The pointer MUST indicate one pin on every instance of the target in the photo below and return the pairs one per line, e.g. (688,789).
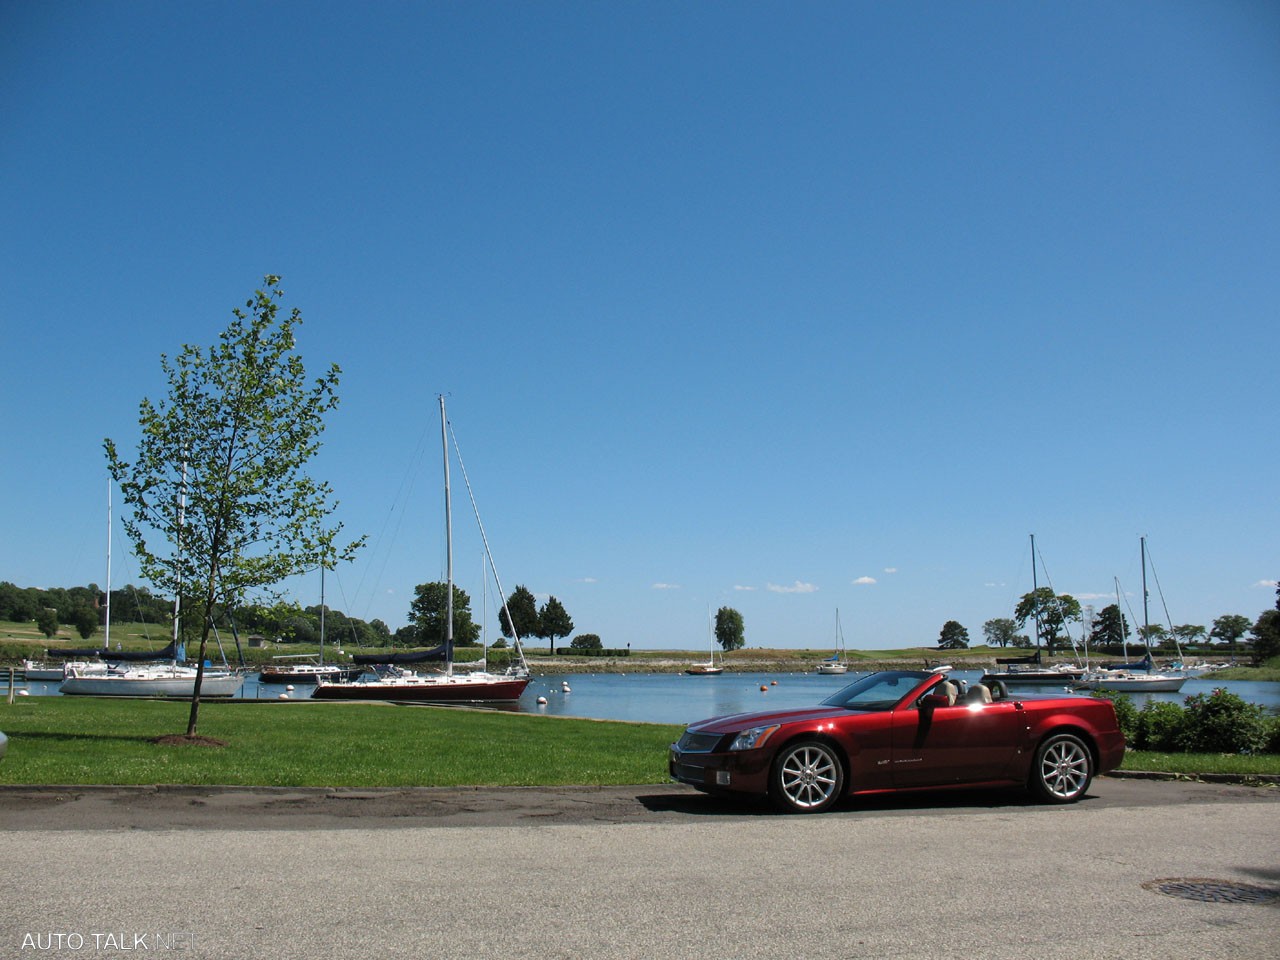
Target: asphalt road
(649,872)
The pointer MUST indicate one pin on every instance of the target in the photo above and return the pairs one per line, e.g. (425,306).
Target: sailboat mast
(1146,623)
(106,640)
(448,541)
(1035,587)
(322,614)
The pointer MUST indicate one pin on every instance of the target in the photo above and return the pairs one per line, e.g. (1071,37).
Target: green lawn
(57,740)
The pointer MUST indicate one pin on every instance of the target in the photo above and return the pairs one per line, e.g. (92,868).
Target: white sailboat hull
(1132,683)
(168,681)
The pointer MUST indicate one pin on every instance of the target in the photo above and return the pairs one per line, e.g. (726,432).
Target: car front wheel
(807,777)
(1063,769)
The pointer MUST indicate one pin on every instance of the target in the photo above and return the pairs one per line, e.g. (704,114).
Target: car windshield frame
(878,692)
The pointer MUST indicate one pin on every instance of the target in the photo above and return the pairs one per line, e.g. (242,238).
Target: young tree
(953,636)
(554,621)
(428,611)
(730,631)
(1000,632)
(222,505)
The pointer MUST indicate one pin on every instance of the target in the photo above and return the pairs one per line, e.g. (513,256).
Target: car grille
(698,742)
(688,773)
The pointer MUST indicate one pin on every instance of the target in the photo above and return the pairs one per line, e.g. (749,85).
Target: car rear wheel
(807,777)
(1063,769)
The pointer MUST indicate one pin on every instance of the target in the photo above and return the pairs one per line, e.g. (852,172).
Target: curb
(1248,779)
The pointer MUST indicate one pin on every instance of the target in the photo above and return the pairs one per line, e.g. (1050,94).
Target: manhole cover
(1212,891)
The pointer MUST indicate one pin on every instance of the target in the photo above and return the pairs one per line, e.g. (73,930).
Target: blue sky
(786,307)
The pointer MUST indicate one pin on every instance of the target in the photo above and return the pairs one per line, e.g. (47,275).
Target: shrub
(1160,726)
(1273,736)
(1126,714)
(1223,723)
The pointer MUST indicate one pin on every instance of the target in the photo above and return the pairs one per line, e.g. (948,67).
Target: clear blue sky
(783,306)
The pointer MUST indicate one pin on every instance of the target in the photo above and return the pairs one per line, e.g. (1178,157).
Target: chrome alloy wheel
(807,778)
(1063,770)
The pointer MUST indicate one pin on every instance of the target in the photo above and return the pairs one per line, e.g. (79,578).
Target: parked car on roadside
(904,730)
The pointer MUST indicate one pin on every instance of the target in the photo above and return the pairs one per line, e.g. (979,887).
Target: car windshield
(879,691)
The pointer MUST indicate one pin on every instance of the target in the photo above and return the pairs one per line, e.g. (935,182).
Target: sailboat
(128,675)
(1134,677)
(389,680)
(835,664)
(710,668)
(1031,671)
(307,668)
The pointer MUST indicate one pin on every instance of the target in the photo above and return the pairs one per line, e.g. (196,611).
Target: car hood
(744,721)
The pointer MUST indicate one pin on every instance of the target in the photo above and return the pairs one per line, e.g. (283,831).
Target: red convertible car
(904,730)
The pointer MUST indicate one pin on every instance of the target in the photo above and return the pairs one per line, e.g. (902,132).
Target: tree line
(1109,630)
(82,608)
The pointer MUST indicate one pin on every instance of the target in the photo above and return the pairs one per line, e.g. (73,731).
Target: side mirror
(931,700)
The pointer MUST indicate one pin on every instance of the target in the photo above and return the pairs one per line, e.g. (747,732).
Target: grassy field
(55,740)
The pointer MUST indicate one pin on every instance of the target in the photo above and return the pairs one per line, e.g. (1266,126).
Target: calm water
(681,699)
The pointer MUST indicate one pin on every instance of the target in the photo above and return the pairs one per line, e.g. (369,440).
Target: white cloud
(587,580)
(796,587)
(666,586)
(744,589)
(890,569)
(1265,583)
(993,584)
(863,581)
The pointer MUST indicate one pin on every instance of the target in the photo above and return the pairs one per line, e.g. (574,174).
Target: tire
(807,777)
(1063,769)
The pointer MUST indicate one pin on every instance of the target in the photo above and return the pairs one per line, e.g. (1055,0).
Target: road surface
(640,872)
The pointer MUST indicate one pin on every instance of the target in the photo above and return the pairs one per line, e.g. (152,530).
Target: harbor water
(680,699)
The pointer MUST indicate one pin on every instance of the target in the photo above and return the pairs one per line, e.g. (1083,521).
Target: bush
(1223,723)
(1126,714)
(1273,737)
(1160,726)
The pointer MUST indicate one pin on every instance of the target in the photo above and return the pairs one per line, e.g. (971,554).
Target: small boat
(309,672)
(835,664)
(309,668)
(710,668)
(389,680)
(42,670)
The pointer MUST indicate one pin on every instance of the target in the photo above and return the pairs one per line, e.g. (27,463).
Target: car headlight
(753,738)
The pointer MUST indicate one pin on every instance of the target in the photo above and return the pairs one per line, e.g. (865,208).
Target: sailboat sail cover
(117,656)
(444,653)
(1012,660)
(1143,664)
